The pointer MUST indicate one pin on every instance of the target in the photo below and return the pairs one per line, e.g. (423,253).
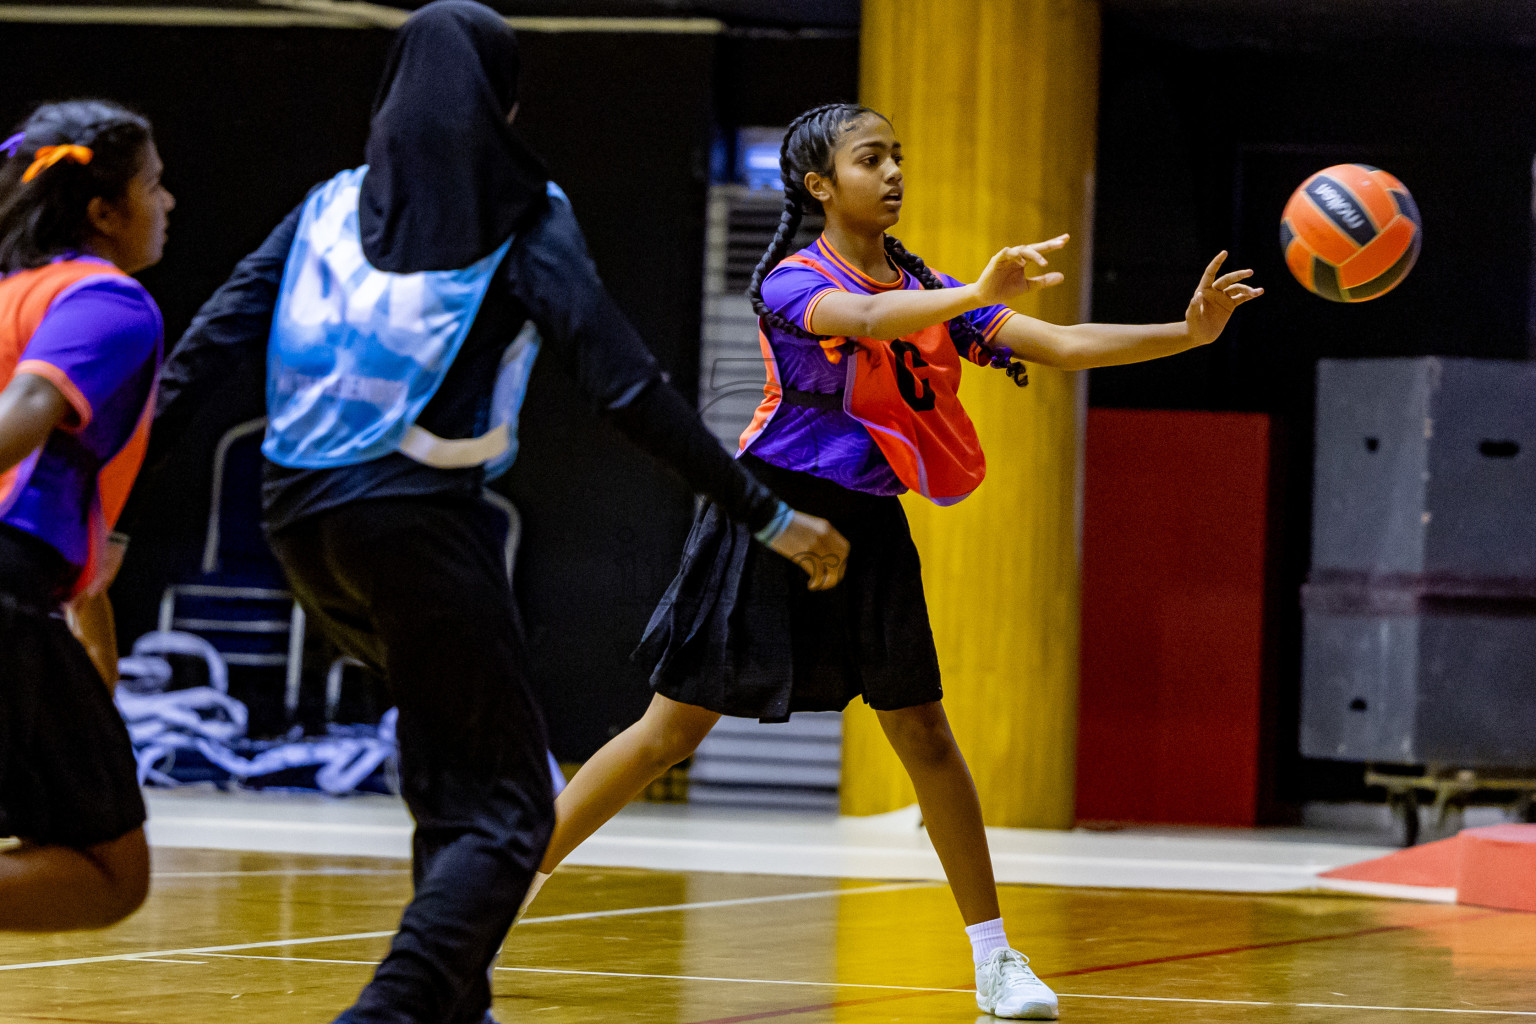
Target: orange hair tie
(47,156)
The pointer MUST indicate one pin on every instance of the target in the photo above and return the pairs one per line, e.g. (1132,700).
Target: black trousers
(416,589)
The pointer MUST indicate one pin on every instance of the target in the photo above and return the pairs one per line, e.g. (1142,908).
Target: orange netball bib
(905,393)
(25,298)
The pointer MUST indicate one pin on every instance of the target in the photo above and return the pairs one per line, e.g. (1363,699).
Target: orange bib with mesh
(905,393)
(25,298)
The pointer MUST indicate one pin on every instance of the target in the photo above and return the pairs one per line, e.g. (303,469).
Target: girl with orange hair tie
(81,208)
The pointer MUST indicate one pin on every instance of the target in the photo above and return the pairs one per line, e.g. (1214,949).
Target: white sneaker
(1006,987)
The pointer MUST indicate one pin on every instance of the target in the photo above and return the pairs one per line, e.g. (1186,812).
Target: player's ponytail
(64,155)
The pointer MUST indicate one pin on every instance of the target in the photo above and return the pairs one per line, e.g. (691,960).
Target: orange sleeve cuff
(997,324)
(59,379)
(810,307)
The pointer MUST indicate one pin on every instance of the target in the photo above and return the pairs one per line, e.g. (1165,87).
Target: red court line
(769,1014)
(1229,949)
(1265,945)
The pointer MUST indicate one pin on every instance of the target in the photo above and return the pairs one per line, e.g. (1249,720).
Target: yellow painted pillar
(995,102)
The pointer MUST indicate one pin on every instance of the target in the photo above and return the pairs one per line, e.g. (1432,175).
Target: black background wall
(248,119)
(630,138)
(1203,136)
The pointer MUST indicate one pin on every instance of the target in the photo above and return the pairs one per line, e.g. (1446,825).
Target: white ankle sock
(987,938)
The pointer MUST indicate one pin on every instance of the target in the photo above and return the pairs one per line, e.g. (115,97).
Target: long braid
(962,332)
(810,144)
(789,223)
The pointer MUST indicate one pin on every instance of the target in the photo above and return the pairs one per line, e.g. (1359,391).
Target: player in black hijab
(400,562)
(442,192)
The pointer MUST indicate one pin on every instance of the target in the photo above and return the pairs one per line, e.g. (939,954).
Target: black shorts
(738,632)
(67,773)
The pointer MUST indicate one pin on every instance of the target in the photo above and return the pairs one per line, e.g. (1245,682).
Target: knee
(933,748)
(669,743)
(923,741)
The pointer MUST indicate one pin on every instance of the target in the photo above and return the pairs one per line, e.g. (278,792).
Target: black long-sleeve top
(547,277)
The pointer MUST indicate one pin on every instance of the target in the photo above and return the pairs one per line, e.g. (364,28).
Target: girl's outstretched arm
(1083,346)
(895,314)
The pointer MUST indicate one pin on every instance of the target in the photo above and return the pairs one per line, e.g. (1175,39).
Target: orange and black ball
(1350,233)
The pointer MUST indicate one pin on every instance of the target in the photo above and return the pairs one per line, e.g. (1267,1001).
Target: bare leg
(951,811)
(620,771)
(60,888)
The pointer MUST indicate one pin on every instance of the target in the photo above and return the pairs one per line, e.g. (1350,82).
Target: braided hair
(48,216)
(810,144)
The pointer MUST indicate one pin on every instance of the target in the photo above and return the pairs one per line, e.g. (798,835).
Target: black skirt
(738,633)
(67,773)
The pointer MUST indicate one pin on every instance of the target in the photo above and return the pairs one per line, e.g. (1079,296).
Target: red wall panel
(1174,534)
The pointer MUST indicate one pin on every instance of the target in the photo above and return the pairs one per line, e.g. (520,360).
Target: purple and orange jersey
(828,443)
(96,335)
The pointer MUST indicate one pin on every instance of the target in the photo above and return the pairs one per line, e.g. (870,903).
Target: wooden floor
(231,938)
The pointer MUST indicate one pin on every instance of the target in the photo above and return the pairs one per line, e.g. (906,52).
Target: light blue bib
(356,353)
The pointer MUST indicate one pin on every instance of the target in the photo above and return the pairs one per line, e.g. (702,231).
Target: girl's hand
(815,546)
(1214,301)
(1006,279)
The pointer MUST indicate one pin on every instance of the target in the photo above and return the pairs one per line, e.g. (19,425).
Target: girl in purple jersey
(734,633)
(81,208)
